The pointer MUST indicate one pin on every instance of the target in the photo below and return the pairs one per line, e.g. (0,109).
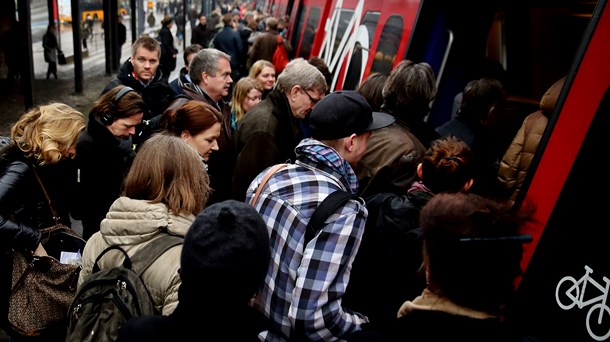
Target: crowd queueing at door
(191,157)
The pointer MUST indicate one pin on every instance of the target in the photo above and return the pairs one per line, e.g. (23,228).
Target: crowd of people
(191,157)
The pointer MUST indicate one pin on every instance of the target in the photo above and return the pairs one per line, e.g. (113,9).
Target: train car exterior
(563,292)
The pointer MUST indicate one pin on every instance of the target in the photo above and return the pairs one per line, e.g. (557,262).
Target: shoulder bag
(61,58)
(42,288)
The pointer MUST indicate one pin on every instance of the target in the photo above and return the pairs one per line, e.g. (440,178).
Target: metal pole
(112,24)
(25,30)
(76,42)
(134,12)
(106,29)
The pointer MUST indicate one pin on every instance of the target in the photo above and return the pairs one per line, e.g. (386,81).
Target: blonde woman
(41,139)
(163,191)
(246,94)
(264,72)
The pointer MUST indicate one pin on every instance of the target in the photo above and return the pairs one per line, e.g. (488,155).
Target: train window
(390,38)
(356,65)
(310,32)
(345,17)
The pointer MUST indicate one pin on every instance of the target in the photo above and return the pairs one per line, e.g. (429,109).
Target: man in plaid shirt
(302,291)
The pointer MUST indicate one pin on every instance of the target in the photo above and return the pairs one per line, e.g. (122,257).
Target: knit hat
(342,113)
(226,250)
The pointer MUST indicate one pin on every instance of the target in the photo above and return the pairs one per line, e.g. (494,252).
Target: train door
(563,293)
(309,21)
(364,37)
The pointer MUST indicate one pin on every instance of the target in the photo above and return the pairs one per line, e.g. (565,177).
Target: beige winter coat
(519,155)
(132,224)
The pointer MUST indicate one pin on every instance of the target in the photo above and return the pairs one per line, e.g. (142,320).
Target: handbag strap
(44,190)
(270,173)
(21,280)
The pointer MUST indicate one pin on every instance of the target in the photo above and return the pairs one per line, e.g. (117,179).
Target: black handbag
(61,58)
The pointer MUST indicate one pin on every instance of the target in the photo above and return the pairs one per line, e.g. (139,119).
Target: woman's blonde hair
(242,88)
(166,170)
(258,67)
(46,131)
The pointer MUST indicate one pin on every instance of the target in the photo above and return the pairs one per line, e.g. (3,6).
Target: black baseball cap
(342,113)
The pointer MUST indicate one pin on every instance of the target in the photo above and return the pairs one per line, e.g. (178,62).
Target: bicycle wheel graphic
(567,293)
(599,326)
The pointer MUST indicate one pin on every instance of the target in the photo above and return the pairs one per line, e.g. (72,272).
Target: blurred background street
(63,89)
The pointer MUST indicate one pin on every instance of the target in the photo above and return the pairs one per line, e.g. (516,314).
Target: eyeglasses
(313,101)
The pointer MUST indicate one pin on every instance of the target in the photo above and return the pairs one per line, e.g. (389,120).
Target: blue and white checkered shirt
(304,285)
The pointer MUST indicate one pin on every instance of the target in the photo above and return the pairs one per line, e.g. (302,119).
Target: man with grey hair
(210,73)
(270,131)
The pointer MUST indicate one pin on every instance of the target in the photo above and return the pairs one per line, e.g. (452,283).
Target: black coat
(390,253)
(168,51)
(103,162)
(24,208)
(201,35)
(266,136)
(157,95)
(229,42)
(222,162)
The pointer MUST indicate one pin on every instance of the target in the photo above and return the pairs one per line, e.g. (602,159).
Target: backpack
(280,56)
(328,206)
(109,297)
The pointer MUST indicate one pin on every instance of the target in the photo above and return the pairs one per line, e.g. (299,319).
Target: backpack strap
(126,260)
(143,258)
(328,206)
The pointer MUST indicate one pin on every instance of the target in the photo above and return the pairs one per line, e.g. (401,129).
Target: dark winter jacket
(390,253)
(201,35)
(103,162)
(264,47)
(168,51)
(157,95)
(228,41)
(266,136)
(24,208)
(221,162)
(182,79)
(390,161)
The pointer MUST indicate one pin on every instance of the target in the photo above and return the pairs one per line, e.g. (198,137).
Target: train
(535,42)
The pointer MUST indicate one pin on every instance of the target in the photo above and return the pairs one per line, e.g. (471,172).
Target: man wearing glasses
(272,129)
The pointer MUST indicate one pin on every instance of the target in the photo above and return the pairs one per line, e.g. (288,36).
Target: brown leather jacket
(390,162)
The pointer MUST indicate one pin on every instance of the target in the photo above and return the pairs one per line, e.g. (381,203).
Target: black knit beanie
(226,251)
